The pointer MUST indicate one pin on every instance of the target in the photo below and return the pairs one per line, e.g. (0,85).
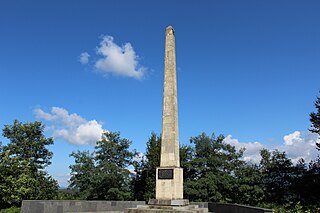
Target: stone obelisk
(169,176)
(170,134)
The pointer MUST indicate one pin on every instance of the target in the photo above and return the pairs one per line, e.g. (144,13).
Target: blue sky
(247,69)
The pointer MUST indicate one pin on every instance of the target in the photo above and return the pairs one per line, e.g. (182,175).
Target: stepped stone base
(166,208)
(162,202)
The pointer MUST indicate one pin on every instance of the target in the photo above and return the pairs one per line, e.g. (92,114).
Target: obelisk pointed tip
(169,27)
(169,30)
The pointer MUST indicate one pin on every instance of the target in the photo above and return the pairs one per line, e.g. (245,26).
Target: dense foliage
(211,161)
(144,183)
(22,162)
(104,174)
(214,171)
(315,119)
(11,210)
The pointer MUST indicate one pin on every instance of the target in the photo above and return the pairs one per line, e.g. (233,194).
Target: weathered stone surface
(236,208)
(170,133)
(169,176)
(70,206)
(170,188)
(168,209)
(64,206)
(169,203)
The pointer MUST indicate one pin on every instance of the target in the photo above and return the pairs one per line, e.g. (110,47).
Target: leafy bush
(11,210)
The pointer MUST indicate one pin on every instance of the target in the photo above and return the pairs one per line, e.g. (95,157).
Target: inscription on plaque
(165,174)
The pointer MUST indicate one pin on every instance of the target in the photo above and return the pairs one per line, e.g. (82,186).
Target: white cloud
(117,60)
(296,145)
(41,114)
(84,58)
(72,127)
(70,120)
(291,138)
(300,145)
(252,152)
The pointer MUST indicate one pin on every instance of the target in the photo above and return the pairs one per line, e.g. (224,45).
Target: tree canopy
(214,171)
(109,176)
(22,162)
(144,182)
(315,119)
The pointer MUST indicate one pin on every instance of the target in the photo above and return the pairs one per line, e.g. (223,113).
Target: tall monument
(169,176)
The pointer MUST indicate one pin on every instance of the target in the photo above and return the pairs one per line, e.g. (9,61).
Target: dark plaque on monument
(165,173)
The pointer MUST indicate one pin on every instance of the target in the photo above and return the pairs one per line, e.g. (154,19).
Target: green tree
(298,182)
(311,178)
(306,184)
(27,141)
(113,158)
(277,170)
(315,120)
(145,181)
(312,184)
(186,156)
(104,174)
(22,162)
(138,184)
(248,188)
(211,169)
(84,175)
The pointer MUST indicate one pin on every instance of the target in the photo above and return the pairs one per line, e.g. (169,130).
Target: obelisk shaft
(170,133)
(169,176)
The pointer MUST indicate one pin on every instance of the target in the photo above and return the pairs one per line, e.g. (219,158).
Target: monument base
(161,202)
(166,209)
(167,206)
(169,183)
